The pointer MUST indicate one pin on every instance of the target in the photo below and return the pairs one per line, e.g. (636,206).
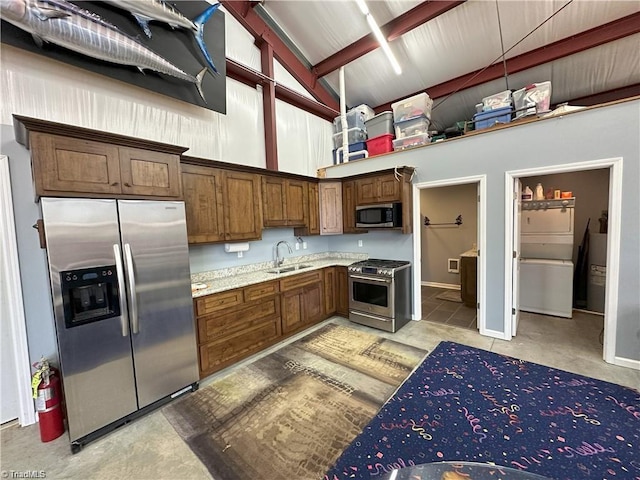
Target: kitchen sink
(291,268)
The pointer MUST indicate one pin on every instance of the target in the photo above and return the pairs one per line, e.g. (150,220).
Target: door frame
(17,321)
(481,182)
(613,242)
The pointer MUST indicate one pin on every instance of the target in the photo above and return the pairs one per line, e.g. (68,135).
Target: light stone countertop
(237,277)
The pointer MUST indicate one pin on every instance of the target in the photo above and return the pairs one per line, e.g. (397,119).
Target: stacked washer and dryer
(546,251)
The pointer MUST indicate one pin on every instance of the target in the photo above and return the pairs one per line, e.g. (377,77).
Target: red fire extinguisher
(47,392)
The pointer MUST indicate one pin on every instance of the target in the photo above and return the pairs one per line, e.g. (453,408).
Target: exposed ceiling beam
(608,32)
(608,96)
(251,77)
(395,28)
(250,20)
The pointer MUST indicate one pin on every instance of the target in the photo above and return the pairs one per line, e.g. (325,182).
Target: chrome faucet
(279,260)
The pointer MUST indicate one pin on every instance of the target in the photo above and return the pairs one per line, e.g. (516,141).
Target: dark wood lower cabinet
(342,292)
(235,324)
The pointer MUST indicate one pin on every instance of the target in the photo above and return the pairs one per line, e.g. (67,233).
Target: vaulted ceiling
(456,51)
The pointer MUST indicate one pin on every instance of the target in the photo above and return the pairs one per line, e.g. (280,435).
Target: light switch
(359,243)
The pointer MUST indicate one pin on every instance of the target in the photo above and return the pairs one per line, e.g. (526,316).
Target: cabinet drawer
(296,281)
(216,355)
(218,301)
(215,327)
(261,290)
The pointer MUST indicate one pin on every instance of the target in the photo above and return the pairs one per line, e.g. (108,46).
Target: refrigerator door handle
(131,278)
(121,290)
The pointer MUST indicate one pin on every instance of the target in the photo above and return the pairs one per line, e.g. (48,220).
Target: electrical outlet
(239,254)
(297,246)
(304,245)
(359,243)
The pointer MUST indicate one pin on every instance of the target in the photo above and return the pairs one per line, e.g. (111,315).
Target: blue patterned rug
(467,404)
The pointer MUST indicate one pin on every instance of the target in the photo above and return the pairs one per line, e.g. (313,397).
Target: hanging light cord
(502,55)
(504,59)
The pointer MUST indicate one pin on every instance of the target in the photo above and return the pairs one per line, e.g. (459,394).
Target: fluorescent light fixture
(379,36)
(363,7)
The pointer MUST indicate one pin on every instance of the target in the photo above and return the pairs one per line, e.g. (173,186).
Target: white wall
(599,133)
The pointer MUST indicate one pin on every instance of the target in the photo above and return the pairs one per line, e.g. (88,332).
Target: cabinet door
(367,191)
(313,223)
(330,279)
(313,301)
(62,164)
(242,210)
(349,207)
(274,204)
(292,310)
(331,208)
(389,188)
(296,203)
(202,191)
(145,172)
(342,291)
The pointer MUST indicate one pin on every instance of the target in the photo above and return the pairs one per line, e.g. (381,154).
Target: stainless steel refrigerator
(121,291)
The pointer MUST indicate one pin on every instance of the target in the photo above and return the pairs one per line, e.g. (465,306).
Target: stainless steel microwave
(387,215)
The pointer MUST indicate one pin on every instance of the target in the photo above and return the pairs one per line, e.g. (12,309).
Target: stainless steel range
(380,293)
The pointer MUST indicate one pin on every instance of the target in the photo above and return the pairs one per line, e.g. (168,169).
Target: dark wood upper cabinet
(242,207)
(285,202)
(70,161)
(312,222)
(379,189)
(221,205)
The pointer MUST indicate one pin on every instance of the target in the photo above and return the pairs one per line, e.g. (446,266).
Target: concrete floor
(149,448)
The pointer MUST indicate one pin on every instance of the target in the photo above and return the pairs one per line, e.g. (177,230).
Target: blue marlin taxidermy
(145,11)
(69,26)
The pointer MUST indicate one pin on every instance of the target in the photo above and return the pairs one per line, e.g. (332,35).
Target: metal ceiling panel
(318,29)
(520,18)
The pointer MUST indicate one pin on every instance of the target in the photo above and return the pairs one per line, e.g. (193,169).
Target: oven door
(371,294)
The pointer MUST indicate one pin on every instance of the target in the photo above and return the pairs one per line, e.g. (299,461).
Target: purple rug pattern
(467,404)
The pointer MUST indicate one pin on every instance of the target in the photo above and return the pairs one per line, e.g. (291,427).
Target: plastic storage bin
(411,107)
(410,142)
(356,117)
(411,127)
(354,147)
(537,96)
(380,144)
(354,135)
(491,117)
(380,124)
(497,100)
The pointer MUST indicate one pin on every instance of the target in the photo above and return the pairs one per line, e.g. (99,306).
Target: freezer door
(546,286)
(95,357)
(154,240)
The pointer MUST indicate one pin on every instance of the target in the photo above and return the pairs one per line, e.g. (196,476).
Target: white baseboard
(627,362)
(450,286)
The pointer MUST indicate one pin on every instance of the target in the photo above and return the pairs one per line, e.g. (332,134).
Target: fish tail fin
(199,22)
(199,78)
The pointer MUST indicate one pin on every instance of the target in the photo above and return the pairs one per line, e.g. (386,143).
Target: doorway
(438,218)
(608,170)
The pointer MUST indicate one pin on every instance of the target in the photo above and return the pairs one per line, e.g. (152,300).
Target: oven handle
(121,290)
(382,280)
(375,317)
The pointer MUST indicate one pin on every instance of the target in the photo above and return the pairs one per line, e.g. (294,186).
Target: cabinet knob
(126,184)
(115,184)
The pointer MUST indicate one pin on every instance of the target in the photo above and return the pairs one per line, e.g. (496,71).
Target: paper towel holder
(236,247)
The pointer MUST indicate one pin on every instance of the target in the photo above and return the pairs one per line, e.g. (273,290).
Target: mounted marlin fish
(69,26)
(146,11)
